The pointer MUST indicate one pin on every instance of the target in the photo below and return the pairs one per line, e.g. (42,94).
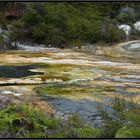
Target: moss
(111,68)
(60,67)
(57,71)
(65,69)
(107,88)
(89,91)
(46,77)
(35,54)
(121,57)
(63,90)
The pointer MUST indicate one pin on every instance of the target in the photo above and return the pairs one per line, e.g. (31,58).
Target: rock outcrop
(5,42)
(137,25)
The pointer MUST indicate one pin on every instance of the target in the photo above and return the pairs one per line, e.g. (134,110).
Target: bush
(126,18)
(134,35)
(2,20)
(16,31)
(87,132)
(24,121)
(124,123)
(60,24)
(116,35)
(124,132)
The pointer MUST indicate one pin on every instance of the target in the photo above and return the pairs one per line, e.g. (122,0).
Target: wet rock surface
(17,71)
(70,81)
(86,108)
(5,43)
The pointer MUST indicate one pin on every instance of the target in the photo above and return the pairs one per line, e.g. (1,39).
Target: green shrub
(16,31)
(24,121)
(61,23)
(87,132)
(124,123)
(75,120)
(128,132)
(124,132)
(116,35)
(126,18)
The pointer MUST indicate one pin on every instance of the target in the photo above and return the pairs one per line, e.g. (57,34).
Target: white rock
(17,94)
(126,28)
(6,92)
(137,25)
(134,46)
(10,92)
(110,63)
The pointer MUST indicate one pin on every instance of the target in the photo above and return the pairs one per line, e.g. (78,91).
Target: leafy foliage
(125,121)
(60,24)
(25,121)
